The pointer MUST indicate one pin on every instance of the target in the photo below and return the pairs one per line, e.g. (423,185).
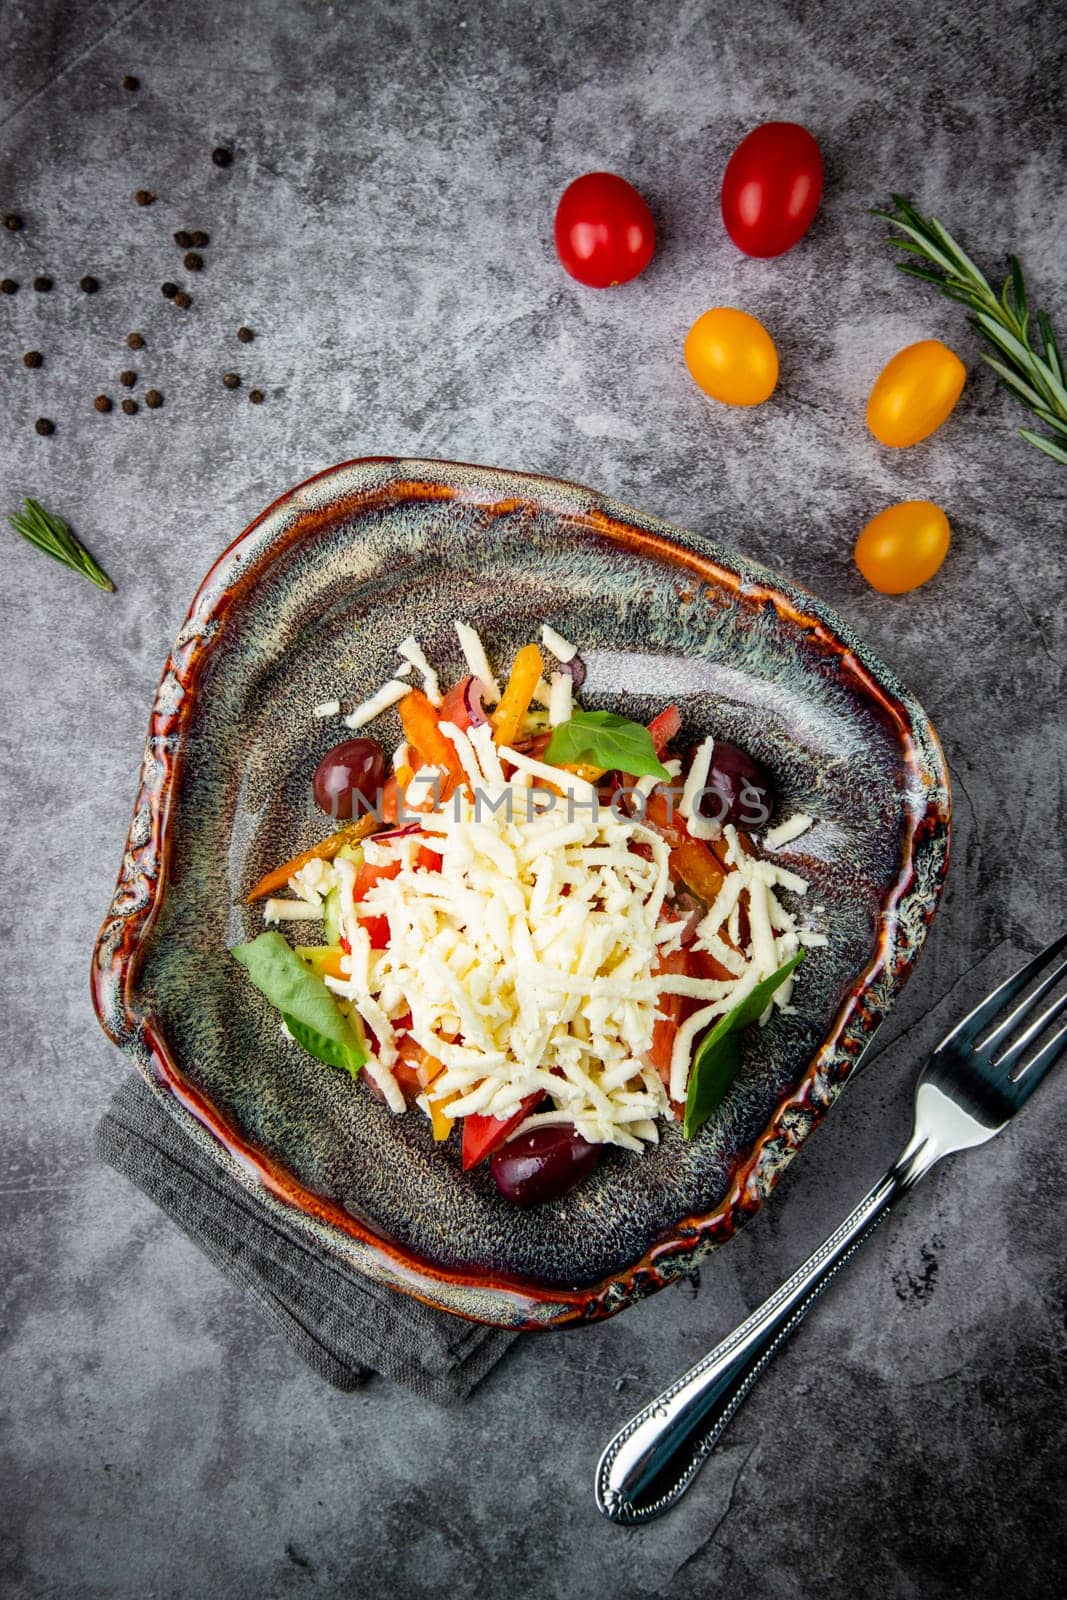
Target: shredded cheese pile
(527,963)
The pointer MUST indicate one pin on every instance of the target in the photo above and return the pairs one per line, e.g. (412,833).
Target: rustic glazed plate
(309,604)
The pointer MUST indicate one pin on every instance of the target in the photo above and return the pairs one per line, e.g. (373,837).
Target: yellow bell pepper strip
(419,721)
(325,850)
(440,1120)
(323,959)
(526,674)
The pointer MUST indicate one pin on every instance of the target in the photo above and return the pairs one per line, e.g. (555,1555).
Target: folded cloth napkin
(342,1324)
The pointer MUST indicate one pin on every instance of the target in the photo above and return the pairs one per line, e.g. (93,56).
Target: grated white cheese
(291,911)
(475,657)
(697,780)
(560,698)
(559,646)
(327,708)
(387,696)
(404,670)
(787,831)
(412,651)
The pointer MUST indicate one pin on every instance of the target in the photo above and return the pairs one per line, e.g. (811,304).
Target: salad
(542,925)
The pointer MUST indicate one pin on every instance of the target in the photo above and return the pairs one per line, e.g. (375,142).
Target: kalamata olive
(356,767)
(738,789)
(543,1163)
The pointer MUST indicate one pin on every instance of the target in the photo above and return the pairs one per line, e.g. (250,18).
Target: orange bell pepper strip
(693,864)
(419,721)
(526,672)
(325,850)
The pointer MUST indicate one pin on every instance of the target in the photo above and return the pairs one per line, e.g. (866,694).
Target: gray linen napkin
(344,1326)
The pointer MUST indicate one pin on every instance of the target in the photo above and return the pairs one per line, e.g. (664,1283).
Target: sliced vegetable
(483,1135)
(462,705)
(323,959)
(526,673)
(325,850)
(717,1057)
(664,727)
(692,863)
(602,739)
(420,723)
(670,1007)
(308,1009)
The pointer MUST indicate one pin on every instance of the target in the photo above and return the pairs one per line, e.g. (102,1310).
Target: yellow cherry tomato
(915,392)
(732,357)
(903,546)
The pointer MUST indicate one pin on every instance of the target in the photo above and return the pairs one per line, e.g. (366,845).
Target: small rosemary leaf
(1012,379)
(1052,349)
(929,277)
(1020,353)
(1057,452)
(1018,289)
(927,248)
(1057,424)
(960,256)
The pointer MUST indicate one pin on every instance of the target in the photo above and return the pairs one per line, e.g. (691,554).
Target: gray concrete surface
(385,229)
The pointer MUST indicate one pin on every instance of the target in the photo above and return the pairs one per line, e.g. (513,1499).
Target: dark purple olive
(738,789)
(356,767)
(543,1163)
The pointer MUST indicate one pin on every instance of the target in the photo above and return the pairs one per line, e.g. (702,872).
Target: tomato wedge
(483,1135)
(665,1027)
(664,727)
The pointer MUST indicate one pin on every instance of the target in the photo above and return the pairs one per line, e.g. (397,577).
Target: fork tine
(1012,1054)
(1022,1011)
(990,1009)
(1035,1070)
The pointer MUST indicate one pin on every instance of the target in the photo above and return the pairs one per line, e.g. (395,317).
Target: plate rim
(906,911)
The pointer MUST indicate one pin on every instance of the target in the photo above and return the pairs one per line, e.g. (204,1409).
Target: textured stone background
(385,228)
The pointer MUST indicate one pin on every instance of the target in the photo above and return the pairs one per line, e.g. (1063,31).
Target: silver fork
(972,1085)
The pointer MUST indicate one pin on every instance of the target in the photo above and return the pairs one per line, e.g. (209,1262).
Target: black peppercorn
(153,399)
(221,156)
(256,396)
(88,284)
(245,335)
(182,300)
(33,358)
(43,283)
(200,239)
(45,426)
(135,341)
(182,239)
(131,83)
(231,380)
(130,407)
(8,286)
(144,197)
(192,262)
(13,221)
(127,379)
(102,403)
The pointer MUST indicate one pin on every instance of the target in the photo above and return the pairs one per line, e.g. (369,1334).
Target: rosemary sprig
(1034,376)
(50,533)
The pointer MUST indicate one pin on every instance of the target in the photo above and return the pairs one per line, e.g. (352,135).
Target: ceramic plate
(309,603)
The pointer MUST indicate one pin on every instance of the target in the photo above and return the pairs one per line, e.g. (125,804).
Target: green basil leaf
(718,1056)
(301,997)
(324,1049)
(601,739)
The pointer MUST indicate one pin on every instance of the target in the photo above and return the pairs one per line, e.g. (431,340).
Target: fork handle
(651,1462)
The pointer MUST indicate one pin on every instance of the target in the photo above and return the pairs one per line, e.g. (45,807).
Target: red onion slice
(575,669)
(472,702)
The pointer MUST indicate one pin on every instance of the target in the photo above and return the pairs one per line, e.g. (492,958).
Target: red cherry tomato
(771,188)
(604,230)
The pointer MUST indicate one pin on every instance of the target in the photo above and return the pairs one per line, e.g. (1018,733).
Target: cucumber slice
(331,905)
